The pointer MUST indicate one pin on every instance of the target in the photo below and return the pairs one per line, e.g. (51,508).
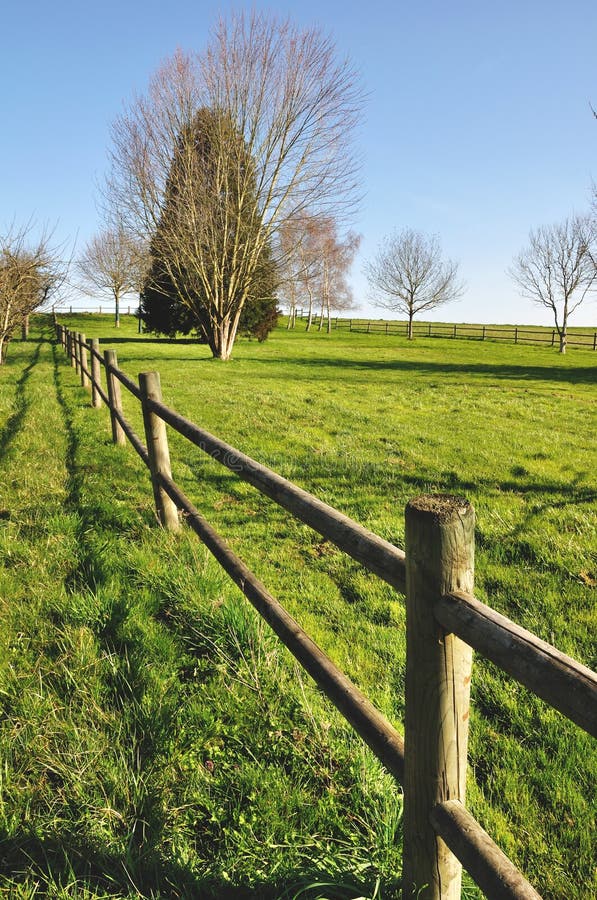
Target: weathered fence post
(157,447)
(83,361)
(114,395)
(96,374)
(595,341)
(439,558)
(454,335)
(77,348)
(516,334)
(73,349)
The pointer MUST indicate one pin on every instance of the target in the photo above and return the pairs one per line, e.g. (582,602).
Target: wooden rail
(444,623)
(511,334)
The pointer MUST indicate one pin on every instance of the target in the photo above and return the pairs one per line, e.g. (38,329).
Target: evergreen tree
(219,210)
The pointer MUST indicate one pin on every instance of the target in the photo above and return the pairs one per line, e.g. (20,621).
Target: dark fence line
(435,574)
(511,334)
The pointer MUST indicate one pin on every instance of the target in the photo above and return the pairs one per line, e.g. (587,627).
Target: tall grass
(156,740)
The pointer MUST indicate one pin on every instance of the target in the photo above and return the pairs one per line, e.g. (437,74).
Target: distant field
(365,422)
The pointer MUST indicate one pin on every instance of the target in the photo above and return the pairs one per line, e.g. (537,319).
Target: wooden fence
(444,624)
(511,334)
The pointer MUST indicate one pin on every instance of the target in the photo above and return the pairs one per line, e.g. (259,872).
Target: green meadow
(155,739)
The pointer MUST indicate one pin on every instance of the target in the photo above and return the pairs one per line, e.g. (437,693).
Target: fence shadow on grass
(15,421)
(66,860)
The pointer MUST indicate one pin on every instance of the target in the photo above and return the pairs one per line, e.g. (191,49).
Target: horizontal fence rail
(511,334)
(432,573)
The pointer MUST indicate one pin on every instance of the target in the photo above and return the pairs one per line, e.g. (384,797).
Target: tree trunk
(116,311)
(410,326)
(3,343)
(563,340)
(310,314)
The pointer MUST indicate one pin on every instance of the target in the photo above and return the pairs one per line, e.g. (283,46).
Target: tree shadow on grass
(576,375)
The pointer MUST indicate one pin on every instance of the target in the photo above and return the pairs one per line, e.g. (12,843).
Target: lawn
(153,732)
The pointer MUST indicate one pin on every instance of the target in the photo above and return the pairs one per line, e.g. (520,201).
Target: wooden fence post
(25,329)
(83,361)
(77,349)
(115,397)
(439,558)
(516,335)
(96,374)
(72,349)
(156,439)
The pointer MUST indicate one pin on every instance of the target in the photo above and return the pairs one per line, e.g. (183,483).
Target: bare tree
(30,274)
(278,141)
(558,268)
(409,276)
(112,262)
(336,258)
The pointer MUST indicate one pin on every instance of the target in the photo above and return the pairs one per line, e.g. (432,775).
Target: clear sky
(477,126)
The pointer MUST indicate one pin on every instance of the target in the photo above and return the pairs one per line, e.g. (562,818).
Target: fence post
(73,349)
(439,558)
(516,335)
(454,335)
(157,447)
(25,329)
(77,348)
(96,374)
(553,336)
(83,361)
(115,397)
(595,341)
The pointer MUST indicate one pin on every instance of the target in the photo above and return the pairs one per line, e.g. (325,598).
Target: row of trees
(232,182)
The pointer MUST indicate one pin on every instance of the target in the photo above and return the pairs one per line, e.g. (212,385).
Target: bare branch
(243,137)
(408,275)
(558,270)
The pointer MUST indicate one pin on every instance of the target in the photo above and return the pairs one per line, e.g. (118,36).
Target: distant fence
(511,334)
(444,623)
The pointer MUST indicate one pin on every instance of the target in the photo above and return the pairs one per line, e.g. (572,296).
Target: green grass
(155,735)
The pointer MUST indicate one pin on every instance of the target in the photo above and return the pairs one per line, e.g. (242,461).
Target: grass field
(155,739)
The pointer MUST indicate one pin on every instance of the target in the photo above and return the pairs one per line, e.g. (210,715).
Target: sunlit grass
(178,738)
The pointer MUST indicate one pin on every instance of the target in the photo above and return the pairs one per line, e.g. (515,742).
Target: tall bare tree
(280,142)
(408,275)
(31,272)
(113,262)
(558,268)
(336,258)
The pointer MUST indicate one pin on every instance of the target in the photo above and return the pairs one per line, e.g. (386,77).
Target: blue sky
(477,126)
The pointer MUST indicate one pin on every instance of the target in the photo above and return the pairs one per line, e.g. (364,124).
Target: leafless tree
(408,275)
(112,262)
(31,272)
(279,141)
(336,258)
(558,268)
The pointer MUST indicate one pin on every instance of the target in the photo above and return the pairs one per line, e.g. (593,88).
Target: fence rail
(511,334)
(444,623)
